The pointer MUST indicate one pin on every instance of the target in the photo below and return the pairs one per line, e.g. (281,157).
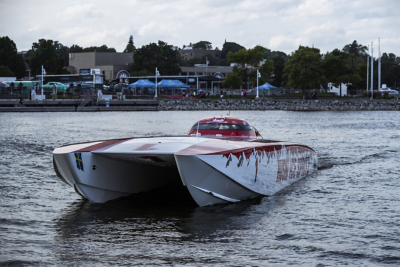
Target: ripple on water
(344,214)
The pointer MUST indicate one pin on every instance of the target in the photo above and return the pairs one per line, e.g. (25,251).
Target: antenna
(197,132)
(229,114)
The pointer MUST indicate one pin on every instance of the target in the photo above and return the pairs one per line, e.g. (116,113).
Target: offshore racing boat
(221,160)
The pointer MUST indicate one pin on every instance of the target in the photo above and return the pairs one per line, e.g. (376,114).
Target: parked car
(61,88)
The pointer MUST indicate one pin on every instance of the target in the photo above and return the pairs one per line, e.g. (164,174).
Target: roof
(209,78)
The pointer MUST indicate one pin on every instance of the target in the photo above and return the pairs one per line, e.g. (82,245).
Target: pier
(70,105)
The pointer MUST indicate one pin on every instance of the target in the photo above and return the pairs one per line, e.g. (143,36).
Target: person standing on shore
(54,91)
(12,86)
(306,96)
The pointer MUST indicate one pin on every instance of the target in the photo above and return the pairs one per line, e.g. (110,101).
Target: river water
(348,212)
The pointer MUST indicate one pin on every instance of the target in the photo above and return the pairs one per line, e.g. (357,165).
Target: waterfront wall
(294,105)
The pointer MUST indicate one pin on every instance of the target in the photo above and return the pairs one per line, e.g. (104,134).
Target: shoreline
(357,104)
(290,105)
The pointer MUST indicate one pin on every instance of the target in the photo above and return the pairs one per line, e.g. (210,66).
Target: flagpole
(379,64)
(372,70)
(368,69)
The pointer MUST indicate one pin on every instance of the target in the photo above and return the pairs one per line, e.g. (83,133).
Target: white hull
(213,170)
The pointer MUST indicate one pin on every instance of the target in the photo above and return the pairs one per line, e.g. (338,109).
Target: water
(346,213)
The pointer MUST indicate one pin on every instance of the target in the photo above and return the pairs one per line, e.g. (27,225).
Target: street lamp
(43,72)
(157,74)
(206,65)
(258,76)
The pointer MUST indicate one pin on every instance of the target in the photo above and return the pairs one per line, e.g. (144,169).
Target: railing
(89,95)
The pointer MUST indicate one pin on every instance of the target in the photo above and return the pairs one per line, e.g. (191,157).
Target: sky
(280,25)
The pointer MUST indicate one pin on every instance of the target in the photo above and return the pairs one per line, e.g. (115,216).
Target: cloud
(82,12)
(277,24)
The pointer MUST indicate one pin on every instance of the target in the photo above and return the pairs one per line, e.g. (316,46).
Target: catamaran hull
(213,170)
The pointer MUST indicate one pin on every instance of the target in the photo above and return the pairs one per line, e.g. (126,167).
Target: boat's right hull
(242,174)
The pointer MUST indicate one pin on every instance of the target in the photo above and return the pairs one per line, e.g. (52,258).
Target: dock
(70,105)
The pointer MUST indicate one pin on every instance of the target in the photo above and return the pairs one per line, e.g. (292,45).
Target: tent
(172,84)
(142,83)
(267,86)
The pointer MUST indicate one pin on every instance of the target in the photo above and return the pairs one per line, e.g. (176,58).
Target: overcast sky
(280,25)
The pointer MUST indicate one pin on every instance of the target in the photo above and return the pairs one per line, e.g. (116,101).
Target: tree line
(304,68)
(53,55)
(307,68)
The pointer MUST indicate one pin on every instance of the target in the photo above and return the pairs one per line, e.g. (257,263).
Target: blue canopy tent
(267,86)
(143,83)
(171,84)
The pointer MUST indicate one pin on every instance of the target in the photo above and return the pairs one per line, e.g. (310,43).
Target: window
(190,54)
(222,127)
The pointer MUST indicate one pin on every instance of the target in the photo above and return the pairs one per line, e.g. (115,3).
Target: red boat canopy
(224,126)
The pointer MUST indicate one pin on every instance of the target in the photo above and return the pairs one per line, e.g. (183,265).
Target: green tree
(273,54)
(390,73)
(6,72)
(45,54)
(9,57)
(278,71)
(63,52)
(389,58)
(153,55)
(102,48)
(233,80)
(75,49)
(203,45)
(229,47)
(337,68)
(304,68)
(142,72)
(130,47)
(248,60)
(356,49)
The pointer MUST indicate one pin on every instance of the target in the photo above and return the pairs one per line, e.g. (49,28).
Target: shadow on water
(172,205)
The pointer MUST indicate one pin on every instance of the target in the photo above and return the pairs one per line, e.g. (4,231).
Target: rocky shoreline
(293,105)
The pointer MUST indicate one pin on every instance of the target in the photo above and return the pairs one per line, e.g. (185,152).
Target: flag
(43,71)
(79,161)
(207,62)
(258,74)
(158,73)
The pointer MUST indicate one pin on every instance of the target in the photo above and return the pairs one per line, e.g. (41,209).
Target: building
(111,64)
(202,69)
(188,53)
